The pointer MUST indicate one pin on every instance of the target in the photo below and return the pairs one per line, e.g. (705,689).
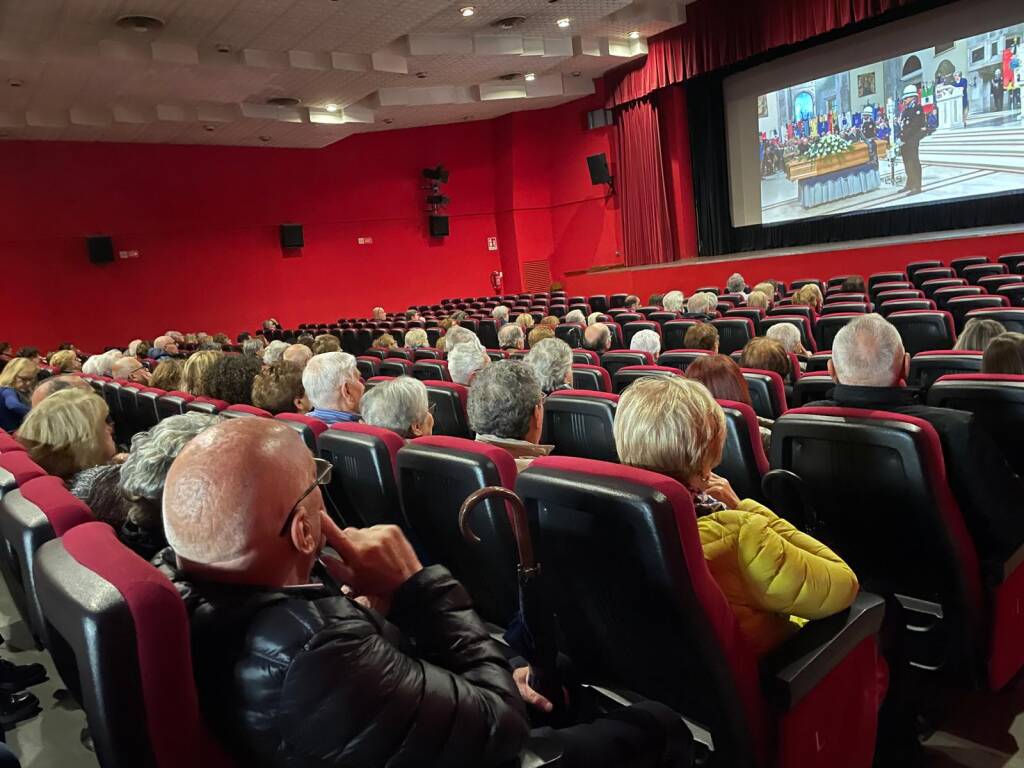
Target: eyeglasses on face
(323,477)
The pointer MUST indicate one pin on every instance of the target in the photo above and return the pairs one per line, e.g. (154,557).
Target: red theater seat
(733,334)
(448,400)
(681,358)
(309,429)
(744,462)
(812,387)
(626,375)
(924,331)
(1011,318)
(767,392)
(431,370)
(245,411)
(618,542)
(363,486)
(592,378)
(580,423)
(206,405)
(927,367)
(124,631)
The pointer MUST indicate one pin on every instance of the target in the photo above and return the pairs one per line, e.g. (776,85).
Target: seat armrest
(540,752)
(998,571)
(794,669)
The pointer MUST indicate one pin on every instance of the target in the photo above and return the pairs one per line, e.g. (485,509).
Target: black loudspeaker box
(101,249)
(439,226)
(291,236)
(599,173)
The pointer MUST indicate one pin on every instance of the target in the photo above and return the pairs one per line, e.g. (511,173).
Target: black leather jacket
(302,676)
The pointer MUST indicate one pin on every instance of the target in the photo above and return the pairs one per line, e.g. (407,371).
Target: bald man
(598,338)
(293,673)
(164,346)
(130,369)
(56,384)
(298,354)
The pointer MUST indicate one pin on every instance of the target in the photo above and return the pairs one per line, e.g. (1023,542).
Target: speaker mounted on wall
(599,171)
(291,236)
(439,226)
(100,249)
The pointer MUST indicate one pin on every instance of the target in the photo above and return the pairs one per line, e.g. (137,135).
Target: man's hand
(374,561)
(530,696)
(719,488)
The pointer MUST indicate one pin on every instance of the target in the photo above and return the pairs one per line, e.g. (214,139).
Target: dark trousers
(912,164)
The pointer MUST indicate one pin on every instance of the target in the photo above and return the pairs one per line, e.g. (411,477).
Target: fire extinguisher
(497,280)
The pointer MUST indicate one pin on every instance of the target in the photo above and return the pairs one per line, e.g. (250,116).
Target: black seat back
(733,333)
(363,486)
(448,400)
(673,333)
(581,424)
(924,331)
(744,462)
(927,367)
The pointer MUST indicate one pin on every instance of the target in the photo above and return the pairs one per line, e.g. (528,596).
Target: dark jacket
(989,493)
(301,676)
(13,408)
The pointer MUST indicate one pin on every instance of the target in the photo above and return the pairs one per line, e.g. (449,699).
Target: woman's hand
(719,488)
(530,696)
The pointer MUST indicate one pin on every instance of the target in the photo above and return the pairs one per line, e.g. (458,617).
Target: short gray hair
(298,354)
(502,400)
(865,351)
(416,337)
(253,347)
(396,405)
(145,470)
(458,335)
(551,361)
(594,317)
(324,374)
(647,341)
(735,283)
(274,352)
(673,301)
(466,359)
(702,303)
(500,312)
(576,316)
(786,334)
(509,335)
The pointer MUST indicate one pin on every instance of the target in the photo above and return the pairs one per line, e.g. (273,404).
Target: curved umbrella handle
(520,527)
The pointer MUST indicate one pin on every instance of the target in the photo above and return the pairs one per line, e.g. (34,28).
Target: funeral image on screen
(928,125)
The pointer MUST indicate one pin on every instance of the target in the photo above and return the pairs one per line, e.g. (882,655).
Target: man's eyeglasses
(323,477)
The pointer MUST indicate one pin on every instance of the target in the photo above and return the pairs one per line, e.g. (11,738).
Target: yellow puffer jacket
(769,572)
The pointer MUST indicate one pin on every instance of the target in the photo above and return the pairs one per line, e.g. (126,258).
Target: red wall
(204,220)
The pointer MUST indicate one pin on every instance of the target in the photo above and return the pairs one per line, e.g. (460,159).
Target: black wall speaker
(439,226)
(101,249)
(599,173)
(291,236)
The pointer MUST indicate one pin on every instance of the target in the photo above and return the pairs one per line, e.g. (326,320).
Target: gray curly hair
(502,400)
(551,361)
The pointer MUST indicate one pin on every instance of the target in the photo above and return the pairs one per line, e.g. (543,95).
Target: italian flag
(928,99)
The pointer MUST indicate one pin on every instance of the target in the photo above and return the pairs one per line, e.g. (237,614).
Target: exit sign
(492,243)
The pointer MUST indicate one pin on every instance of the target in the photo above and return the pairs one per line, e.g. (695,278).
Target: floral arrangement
(827,146)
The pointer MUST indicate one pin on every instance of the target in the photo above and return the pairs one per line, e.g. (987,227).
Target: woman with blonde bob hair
(68,432)
(768,570)
(195,370)
(17,380)
(65,361)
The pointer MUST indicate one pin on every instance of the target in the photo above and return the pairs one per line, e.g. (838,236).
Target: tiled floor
(982,730)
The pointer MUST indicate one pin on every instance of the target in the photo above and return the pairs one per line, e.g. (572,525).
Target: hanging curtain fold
(718,34)
(640,183)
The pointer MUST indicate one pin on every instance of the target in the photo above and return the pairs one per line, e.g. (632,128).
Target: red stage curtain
(640,180)
(717,34)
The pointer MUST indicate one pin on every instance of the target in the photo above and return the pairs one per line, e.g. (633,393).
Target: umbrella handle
(520,527)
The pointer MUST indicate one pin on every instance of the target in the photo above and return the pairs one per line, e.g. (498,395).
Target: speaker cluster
(436,202)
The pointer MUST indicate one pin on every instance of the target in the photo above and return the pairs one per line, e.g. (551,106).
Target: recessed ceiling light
(577,73)
(421,75)
(209,128)
(283,101)
(467,10)
(223,48)
(387,121)
(634,35)
(564,23)
(141,24)
(15,82)
(332,107)
(264,139)
(530,77)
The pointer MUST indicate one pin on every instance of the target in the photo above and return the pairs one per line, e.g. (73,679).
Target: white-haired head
(702,303)
(510,336)
(326,378)
(646,341)
(400,405)
(868,352)
(735,283)
(274,352)
(299,354)
(464,360)
(500,312)
(551,363)
(458,335)
(786,334)
(576,316)
(673,301)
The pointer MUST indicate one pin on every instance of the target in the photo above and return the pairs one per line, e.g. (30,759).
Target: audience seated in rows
(164,346)
(298,354)
(385,342)
(506,409)
(977,334)
(278,389)
(324,343)
(576,317)
(273,352)
(647,341)
(596,317)
(500,314)
(768,570)
(253,347)
(525,321)
(551,363)
(788,335)
(400,405)
(167,375)
(767,288)
(465,360)
(853,284)
(736,285)
(510,336)
(597,338)
(758,300)
(230,378)
(67,432)
(130,369)
(724,380)
(1004,354)
(195,373)
(416,338)
(869,365)
(632,303)
(55,384)
(701,306)
(65,361)
(702,336)
(673,301)
(765,354)
(538,334)
(809,296)
(334,387)
(16,383)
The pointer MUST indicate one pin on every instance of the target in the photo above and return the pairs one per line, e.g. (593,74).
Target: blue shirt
(333,417)
(12,409)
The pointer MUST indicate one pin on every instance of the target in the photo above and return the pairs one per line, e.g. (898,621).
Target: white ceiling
(67,72)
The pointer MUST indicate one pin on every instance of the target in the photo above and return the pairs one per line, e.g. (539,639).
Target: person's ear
(305,535)
(905,371)
(832,373)
(538,417)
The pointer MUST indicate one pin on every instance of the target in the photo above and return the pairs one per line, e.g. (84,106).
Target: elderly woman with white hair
(510,336)
(673,301)
(253,347)
(399,405)
(500,314)
(506,410)
(768,570)
(788,335)
(646,341)
(274,352)
(576,316)
(465,359)
(416,338)
(702,306)
(736,285)
(551,363)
